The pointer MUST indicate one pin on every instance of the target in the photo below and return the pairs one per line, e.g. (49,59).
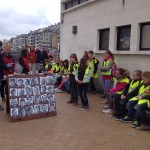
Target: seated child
(121,82)
(144,86)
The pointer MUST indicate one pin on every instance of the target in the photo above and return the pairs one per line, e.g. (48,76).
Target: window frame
(141,35)
(118,38)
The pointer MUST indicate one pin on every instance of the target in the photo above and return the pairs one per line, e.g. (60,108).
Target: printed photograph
(44,98)
(12,82)
(20,82)
(42,80)
(44,108)
(22,102)
(34,81)
(21,92)
(28,90)
(43,89)
(13,102)
(51,98)
(37,99)
(50,89)
(30,110)
(36,90)
(14,112)
(13,92)
(27,82)
(36,109)
(50,80)
(21,112)
(52,107)
(29,100)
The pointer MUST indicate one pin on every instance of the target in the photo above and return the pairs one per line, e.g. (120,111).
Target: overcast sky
(22,16)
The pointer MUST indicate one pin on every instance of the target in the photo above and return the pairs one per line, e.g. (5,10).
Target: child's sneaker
(135,124)
(143,127)
(108,111)
(105,106)
(126,119)
(58,91)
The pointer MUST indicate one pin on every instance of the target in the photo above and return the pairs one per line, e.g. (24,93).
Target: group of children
(121,93)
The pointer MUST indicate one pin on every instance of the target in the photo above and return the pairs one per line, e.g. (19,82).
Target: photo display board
(31,97)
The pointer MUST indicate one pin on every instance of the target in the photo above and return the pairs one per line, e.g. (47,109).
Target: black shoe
(75,103)
(70,102)
(126,119)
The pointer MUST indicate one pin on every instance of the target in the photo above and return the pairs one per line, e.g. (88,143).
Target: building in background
(123,26)
(44,38)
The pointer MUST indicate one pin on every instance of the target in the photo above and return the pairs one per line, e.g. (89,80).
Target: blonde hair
(6,46)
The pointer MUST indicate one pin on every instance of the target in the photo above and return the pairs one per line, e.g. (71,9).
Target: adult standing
(8,68)
(24,62)
(93,63)
(106,70)
(32,59)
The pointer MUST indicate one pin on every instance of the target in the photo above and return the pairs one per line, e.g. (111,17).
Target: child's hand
(122,96)
(147,91)
(139,97)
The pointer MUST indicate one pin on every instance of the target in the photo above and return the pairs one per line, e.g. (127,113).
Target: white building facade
(123,26)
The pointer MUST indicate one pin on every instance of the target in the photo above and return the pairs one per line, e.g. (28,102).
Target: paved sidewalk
(72,129)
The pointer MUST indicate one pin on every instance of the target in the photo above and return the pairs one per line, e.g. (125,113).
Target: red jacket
(7,59)
(31,57)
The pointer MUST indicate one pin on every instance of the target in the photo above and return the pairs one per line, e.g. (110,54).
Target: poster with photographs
(31,97)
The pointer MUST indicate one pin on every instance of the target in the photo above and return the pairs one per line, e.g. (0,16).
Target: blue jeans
(67,85)
(82,88)
(131,105)
(107,85)
(141,114)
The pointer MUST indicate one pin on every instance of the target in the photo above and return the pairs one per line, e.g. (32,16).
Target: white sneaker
(107,111)
(55,89)
(58,91)
(106,107)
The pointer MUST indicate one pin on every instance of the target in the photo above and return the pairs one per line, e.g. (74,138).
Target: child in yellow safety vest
(139,91)
(73,84)
(82,76)
(122,99)
(141,121)
(93,64)
(122,80)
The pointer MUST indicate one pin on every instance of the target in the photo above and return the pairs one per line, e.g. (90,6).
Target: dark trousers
(82,92)
(131,105)
(2,88)
(74,91)
(141,114)
(117,103)
(123,104)
(93,88)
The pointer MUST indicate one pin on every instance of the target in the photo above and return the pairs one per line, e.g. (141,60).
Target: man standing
(93,64)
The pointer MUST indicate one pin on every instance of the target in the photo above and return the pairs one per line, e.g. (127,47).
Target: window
(123,38)
(145,36)
(75,2)
(104,39)
(82,1)
(68,5)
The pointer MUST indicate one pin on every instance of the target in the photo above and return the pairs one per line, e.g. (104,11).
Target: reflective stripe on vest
(133,85)
(105,64)
(125,80)
(75,66)
(91,65)
(140,93)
